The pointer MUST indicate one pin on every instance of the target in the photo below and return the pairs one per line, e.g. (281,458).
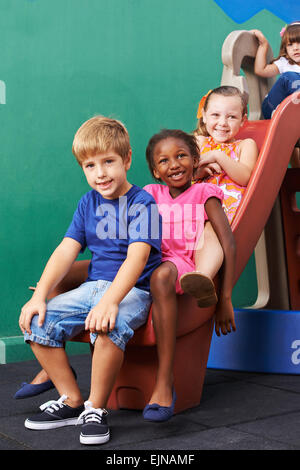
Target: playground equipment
(276,139)
(268,333)
(238,53)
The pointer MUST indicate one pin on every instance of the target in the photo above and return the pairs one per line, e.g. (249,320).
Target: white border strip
(2,352)
(2,92)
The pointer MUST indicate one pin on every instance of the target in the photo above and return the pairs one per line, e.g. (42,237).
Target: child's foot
(94,429)
(162,394)
(158,413)
(40,378)
(55,414)
(27,390)
(40,384)
(200,286)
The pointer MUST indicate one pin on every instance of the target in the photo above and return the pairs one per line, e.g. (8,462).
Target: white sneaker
(94,429)
(55,414)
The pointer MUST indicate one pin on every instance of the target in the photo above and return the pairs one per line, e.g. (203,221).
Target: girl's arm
(103,316)
(224,317)
(208,170)
(239,171)
(261,67)
(57,267)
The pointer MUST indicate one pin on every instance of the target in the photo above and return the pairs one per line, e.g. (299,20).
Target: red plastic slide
(276,139)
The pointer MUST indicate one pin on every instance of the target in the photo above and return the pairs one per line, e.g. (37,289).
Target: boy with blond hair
(120,224)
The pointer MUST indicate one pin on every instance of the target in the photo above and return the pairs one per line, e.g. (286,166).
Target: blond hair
(98,135)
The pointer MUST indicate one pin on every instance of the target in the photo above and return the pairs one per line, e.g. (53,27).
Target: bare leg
(209,253)
(75,277)
(55,362)
(208,260)
(164,310)
(40,378)
(106,364)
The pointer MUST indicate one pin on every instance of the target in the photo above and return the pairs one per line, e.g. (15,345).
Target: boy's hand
(224,318)
(31,308)
(102,317)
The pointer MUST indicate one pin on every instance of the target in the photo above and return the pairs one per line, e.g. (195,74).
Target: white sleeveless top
(283,65)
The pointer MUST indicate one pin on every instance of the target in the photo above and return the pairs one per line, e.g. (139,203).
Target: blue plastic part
(241,11)
(265,341)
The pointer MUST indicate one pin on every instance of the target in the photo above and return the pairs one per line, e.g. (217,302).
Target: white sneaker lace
(92,415)
(54,405)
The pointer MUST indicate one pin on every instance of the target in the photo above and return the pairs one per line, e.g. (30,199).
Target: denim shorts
(66,314)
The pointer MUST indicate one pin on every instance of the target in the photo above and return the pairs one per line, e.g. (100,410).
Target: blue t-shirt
(108,226)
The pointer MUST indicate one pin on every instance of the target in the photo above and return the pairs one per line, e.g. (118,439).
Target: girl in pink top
(183,223)
(173,157)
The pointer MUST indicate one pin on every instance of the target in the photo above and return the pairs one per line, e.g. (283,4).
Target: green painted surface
(13,349)
(146,62)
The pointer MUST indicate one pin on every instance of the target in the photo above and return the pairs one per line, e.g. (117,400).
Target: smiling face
(174,164)
(223,117)
(106,173)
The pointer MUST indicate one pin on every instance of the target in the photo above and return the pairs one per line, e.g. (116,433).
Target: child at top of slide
(287,64)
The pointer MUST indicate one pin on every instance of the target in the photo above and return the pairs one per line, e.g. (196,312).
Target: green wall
(146,62)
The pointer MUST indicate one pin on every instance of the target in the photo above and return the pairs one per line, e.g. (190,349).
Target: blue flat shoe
(31,390)
(158,413)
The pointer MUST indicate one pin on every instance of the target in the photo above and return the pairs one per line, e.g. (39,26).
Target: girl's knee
(164,278)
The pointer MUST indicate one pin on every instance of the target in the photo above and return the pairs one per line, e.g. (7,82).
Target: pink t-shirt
(183,221)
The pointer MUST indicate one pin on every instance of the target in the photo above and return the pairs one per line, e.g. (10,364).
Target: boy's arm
(261,67)
(224,317)
(56,268)
(102,317)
